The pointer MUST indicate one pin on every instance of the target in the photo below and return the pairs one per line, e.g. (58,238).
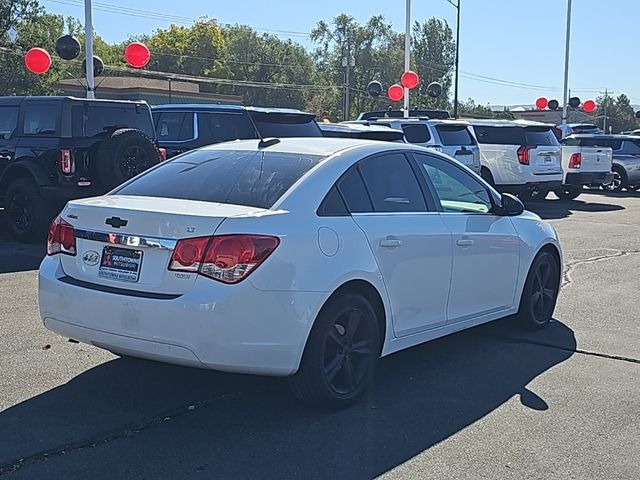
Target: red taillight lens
(163,154)
(188,254)
(61,238)
(226,258)
(523,154)
(66,161)
(575,161)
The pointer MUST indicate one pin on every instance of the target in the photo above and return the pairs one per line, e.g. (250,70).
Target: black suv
(53,149)
(182,127)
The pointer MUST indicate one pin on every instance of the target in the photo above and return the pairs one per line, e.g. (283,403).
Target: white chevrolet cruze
(308,258)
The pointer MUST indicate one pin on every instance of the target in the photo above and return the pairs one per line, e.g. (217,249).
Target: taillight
(575,161)
(61,238)
(163,154)
(66,161)
(226,258)
(523,154)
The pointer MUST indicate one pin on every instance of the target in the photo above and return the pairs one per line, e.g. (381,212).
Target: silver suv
(452,137)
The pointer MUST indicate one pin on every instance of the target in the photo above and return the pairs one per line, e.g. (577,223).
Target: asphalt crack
(569,266)
(124,431)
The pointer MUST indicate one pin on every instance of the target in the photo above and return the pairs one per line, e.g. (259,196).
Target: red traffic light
(395,92)
(137,54)
(541,103)
(37,60)
(410,80)
(589,106)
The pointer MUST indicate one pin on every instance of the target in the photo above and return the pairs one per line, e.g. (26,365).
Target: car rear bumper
(536,185)
(234,328)
(594,179)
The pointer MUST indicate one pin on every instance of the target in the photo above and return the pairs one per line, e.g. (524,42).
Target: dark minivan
(183,127)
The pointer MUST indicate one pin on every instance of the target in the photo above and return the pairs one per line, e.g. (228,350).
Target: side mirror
(511,205)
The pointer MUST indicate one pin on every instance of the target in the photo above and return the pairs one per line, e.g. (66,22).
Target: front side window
(455,189)
(8,121)
(40,119)
(392,185)
(250,178)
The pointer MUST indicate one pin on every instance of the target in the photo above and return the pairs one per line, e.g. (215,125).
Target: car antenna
(264,142)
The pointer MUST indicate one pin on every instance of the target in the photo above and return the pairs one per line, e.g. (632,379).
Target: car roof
(507,123)
(604,136)
(357,127)
(321,146)
(199,106)
(58,98)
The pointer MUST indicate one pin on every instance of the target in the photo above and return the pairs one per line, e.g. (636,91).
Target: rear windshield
(588,129)
(614,144)
(90,120)
(416,133)
(534,136)
(455,135)
(283,125)
(254,179)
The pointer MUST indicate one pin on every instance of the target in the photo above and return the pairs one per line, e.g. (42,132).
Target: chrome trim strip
(127,240)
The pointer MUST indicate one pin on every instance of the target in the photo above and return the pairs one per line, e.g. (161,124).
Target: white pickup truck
(590,166)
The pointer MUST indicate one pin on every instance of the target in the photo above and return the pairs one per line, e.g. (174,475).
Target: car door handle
(390,243)
(464,242)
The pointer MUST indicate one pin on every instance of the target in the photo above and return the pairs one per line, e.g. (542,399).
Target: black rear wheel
(341,354)
(540,292)
(569,192)
(28,215)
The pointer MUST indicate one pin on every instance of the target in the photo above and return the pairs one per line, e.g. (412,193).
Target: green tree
(23,25)
(619,114)
(252,57)
(434,51)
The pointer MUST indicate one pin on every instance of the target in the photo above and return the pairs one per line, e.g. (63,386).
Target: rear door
(408,239)
(458,142)
(486,247)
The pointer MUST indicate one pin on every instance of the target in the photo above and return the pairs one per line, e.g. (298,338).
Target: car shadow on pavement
(136,419)
(18,257)
(553,209)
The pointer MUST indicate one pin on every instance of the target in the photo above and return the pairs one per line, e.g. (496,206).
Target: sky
(517,44)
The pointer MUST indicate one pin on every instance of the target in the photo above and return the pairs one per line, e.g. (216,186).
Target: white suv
(452,137)
(519,156)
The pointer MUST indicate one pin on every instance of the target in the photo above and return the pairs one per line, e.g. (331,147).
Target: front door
(485,246)
(410,242)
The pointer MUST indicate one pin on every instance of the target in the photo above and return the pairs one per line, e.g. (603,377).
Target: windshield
(255,179)
(532,135)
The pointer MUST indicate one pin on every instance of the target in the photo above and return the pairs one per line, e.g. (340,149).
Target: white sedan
(308,258)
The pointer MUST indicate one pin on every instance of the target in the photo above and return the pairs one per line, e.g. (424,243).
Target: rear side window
(8,121)
(174,126)
(455,135)
(354,192)
(91,120)
(416,133)
(631,147)
(40,119)
(285,125)
(255,179)
(540,136)
(392,185)
(224,126)
(500,135)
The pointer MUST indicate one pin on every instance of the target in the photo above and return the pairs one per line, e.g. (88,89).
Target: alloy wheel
(543,293)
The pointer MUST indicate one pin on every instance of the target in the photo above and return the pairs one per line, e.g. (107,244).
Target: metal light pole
(407,53)
(88,42)
(566,68)
(455,90)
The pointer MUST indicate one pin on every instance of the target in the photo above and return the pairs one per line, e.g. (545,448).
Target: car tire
(619,180)
(486,175)
(341,354)
(127,153)
(537,195)
(28,214)
(568,193)
(540,292)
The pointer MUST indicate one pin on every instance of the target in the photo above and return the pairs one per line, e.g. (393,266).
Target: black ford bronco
(54,149)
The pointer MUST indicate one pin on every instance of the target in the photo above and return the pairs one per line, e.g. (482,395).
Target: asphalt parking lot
(492,402)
